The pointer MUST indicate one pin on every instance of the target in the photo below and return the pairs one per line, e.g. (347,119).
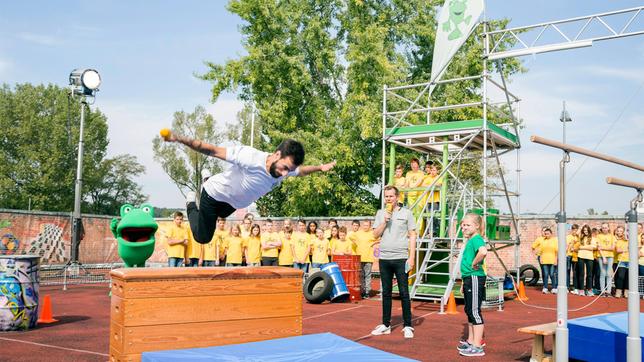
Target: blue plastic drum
(339,286)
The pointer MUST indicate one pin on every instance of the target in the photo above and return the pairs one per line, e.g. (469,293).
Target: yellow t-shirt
(301,243)
(570,246)
(254,249)
(320,251)
(245,233)
(549,248)
(536,245)
(218,238)
(234,246)
(210,251)
(622,245)
(286,255)
(341,247)
(641,258)
(434,196)
(400,183)
(176,233)
(587,254)
(270,238)
(365,245)
(193,249)
(606,241)
(412,178)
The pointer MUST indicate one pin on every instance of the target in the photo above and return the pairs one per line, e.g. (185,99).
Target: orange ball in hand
(165,133)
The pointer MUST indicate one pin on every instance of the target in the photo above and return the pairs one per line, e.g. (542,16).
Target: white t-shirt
(246,180)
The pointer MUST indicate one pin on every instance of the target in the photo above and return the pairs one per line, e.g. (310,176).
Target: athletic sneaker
(544,291)
(191,196)
(381,329)
(575,292)
(463,345)
(589,293)
(554,290)
(473,352)
(408,332)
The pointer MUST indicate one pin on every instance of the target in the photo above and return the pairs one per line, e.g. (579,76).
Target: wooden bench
(156,309)
(539,331)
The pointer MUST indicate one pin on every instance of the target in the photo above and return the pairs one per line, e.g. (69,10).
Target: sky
(148,53)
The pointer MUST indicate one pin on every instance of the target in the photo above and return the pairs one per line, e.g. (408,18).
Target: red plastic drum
(350,268)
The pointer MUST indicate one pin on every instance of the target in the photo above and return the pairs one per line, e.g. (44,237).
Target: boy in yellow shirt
(176,240)
(342,246)
(414,178)
(301,247)
(253,246)
(400,182)
(351,235)
(548,249)
(270,244)
(234,247)
(364,244)
(320,246)
(606,247)
(286,253)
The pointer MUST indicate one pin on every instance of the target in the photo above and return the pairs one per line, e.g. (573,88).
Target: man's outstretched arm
(199,146)
(306,170)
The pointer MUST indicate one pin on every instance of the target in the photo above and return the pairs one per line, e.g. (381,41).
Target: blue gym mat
(311,347)
(600,337)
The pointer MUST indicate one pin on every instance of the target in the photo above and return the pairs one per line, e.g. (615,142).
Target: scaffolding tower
(407,123)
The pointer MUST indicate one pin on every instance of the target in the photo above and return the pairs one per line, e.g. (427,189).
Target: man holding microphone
(397,229)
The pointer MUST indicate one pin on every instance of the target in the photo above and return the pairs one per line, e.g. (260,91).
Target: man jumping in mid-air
(252,175)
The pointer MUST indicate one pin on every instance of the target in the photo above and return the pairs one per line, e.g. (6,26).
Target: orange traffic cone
(46,313)
(522,295)
(451,304)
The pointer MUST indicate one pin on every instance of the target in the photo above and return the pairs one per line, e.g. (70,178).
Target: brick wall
(48,234)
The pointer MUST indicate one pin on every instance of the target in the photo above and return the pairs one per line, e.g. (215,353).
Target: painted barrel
(351,271)
(19,284)
(339,287)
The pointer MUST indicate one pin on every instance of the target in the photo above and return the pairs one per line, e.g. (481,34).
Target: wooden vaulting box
(155,309)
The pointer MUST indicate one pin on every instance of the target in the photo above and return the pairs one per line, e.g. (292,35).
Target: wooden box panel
(156,309)
(147,312)
(182,288)
(207,334)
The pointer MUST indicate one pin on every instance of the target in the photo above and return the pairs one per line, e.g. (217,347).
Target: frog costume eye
(148,209)
(125,209)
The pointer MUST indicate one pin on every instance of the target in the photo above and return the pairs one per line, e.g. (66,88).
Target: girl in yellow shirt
(234,247)
(413,179)
(286,253)
(548,250)
(253,246)
(400,182)
(342,246)
(606,247)
(621,275)
(585,259)
(571,257)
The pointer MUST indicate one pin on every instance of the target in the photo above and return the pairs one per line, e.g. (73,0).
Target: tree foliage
(38,154)
(316,70)
(183,165)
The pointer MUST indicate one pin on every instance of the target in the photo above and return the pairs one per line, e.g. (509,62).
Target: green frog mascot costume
(134,234)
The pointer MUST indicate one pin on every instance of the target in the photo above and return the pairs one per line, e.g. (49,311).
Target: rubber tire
(313,292)
(535,274)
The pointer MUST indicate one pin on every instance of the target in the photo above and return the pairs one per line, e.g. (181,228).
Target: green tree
(115,185)
(38,150)
(316,70)
(183,165)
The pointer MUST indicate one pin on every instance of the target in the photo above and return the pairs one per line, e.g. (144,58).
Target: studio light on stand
(84,83)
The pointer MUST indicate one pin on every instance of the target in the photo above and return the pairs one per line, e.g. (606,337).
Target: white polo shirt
(246,180)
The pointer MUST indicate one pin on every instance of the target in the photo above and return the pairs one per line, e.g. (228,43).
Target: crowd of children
(594,255)
(302,246)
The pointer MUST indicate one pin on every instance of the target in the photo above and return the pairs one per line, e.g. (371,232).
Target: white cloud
(225,110)
(40,39)
(5,67)
(629,74)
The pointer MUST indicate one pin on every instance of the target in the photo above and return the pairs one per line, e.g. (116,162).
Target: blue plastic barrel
(339,286)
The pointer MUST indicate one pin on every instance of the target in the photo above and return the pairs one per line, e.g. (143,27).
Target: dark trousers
(596,274)
(621,279)
(585,267)
(389,269)
(474,294)
(203,220)
(269,261)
